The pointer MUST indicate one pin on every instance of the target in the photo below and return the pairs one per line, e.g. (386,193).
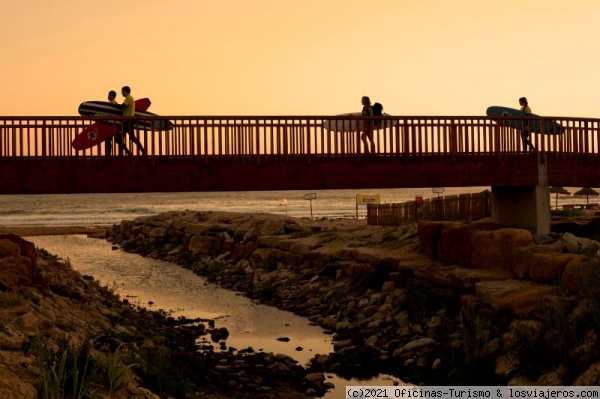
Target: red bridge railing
(225,137)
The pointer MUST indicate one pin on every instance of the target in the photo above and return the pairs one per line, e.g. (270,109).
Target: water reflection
(156,284)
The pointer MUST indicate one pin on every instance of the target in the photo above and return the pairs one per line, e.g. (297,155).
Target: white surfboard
(353,125)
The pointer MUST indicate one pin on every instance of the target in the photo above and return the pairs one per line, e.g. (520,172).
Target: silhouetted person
(526,131)
(128,107)
(367,134)
(108,144)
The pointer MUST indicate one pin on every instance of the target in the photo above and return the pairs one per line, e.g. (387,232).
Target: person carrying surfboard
(128,107)
(108,144)
(367,134)
(526,131)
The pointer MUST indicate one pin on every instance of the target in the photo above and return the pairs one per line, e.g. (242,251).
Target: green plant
(474,335)
(62,374)
(10,298)
(116,372)
(590,288)
(566,212)
(416,303)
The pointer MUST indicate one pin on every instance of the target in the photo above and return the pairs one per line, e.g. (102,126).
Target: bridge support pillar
(526,207)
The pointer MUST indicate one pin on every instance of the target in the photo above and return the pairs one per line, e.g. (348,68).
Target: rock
(388,286)
(552,378)
(543,239)
(342,325)
(321,359)
(203,245)
(28,322)
(429,237)
(490,291)
(417,344)
(8,248)
(13,387)
(402,319)
(573,274)
(15,272)
(589,377)
(219,334)
(550,266)
(302,248)
(462,278)
(524,301)
(372,340)
(521,381)
(26,248)
(456,245)
(270,241)
(495,249)
(273,227)
(506,365)
(158,232)
(578,242)
(314,377)
(195,229)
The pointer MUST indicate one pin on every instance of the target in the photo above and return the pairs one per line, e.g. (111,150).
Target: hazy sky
(302,57)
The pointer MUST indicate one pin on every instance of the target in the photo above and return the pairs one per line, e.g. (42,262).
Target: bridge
(244,153)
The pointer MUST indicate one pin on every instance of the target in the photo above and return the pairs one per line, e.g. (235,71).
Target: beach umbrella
(558,190)
(587,191)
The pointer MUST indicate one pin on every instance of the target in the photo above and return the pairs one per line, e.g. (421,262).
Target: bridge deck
(278,153)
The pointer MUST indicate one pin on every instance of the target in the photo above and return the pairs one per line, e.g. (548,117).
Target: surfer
(367,134)
(128,107)
(112,98)
(526,131)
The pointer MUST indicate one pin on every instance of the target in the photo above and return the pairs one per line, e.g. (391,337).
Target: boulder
(429,237)
(15,272)
(195,229)
(523,301)
(550,266)
(573,273)
(26,248)
(491,291)
(496,249)
(589,377)
(203,245)
(456,245)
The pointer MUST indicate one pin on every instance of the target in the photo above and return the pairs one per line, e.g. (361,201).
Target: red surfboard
(100,132)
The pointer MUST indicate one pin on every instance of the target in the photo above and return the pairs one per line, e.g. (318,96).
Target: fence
(472,206)
(313,137)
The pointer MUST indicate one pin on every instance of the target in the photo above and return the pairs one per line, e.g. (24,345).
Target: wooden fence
(472,206)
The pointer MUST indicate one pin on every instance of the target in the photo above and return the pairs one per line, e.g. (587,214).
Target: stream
(156,284)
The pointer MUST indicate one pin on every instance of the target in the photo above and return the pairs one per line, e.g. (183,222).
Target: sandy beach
(28,231)
(100,231)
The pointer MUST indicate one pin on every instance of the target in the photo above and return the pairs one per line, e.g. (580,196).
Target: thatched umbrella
(587,191)
(558,190)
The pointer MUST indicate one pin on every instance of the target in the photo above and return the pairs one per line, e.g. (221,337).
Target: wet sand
(26,231)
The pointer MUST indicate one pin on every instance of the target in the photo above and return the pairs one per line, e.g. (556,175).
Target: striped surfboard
(104,108)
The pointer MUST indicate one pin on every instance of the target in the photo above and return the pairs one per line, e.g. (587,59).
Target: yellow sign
(362,199)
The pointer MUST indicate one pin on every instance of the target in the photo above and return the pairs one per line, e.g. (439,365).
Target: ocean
(105,209)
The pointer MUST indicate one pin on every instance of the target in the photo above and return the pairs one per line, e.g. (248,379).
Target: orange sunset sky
(302,57)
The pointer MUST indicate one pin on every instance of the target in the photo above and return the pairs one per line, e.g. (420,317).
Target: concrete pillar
(526,207)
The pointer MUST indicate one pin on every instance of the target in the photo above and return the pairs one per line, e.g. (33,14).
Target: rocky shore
(63,335)
(433,303)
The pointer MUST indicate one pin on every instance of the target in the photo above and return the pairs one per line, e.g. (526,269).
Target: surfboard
(536,126)
(102,108)
(353,125)
(98,132)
